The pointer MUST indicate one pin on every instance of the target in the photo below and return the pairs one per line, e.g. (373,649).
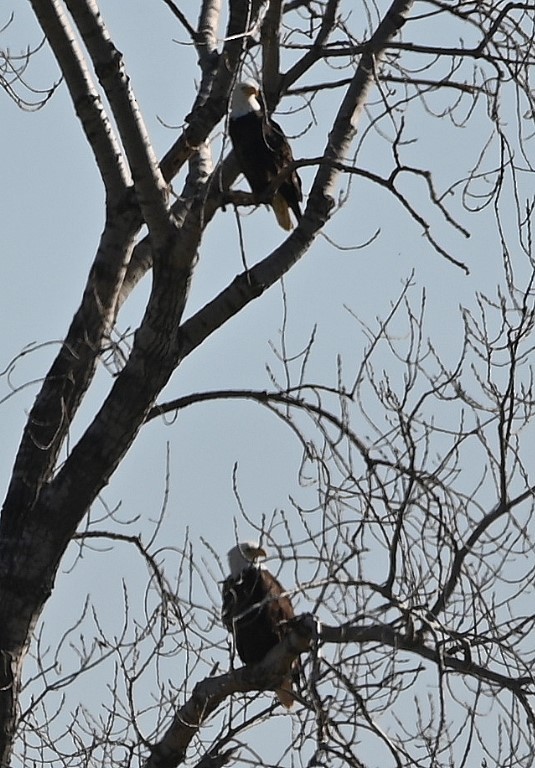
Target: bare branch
(175,10)
(86,100)
(211,692)
(150,186)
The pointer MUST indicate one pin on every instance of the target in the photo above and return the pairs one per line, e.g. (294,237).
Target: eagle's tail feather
(282,212)
(285,693)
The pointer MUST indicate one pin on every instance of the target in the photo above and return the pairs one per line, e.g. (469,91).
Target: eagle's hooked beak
(251,90)
(257,553)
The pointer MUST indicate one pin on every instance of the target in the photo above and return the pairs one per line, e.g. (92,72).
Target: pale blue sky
(52,213)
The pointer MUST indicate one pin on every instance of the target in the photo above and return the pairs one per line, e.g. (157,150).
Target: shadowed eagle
(262,151)
(255,609)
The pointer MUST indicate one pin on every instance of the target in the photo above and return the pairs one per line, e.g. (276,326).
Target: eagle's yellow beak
(259,552)
(250,90)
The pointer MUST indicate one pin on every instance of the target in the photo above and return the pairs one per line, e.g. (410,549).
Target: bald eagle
(262,151)
(255,609)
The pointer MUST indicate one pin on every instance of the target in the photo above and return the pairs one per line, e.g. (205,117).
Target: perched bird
(255,609)
(262,151)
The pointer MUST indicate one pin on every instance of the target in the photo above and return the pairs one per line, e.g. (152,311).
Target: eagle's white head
(243,555)
(245,99)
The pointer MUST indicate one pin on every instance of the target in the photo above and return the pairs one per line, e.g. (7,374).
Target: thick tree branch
(346,123)
(254,282)
(28,558)
(69,376)
(270,39)
(237,197)
(35,532)
(399,491)
(86,100)
(388,635)
(222,178)
(211,692)
(314,54)
(150,186)
(211,105)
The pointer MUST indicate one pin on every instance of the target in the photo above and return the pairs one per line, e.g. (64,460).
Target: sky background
(52,214)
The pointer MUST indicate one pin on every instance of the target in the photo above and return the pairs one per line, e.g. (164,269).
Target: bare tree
(416,575)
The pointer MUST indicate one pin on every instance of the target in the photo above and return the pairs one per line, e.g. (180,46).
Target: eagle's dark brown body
(262,151)
(255,610)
